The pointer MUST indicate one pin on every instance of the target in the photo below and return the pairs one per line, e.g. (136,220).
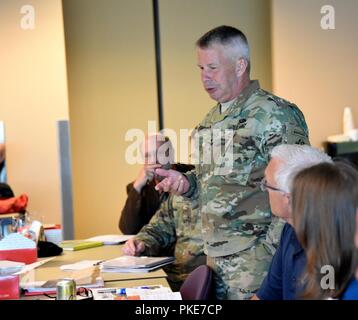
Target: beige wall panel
(112,88)
(33,96)
(316,68)
(182,22)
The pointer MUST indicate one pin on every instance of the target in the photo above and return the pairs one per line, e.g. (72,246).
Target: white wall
(112,88)
(316,68)
(33,96)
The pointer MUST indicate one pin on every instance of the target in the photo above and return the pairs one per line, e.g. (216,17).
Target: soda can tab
(66,289)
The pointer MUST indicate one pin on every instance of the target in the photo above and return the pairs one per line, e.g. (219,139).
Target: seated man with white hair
(281,283)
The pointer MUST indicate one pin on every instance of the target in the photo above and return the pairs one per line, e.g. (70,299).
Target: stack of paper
(157,292)
(16,247)
(10,267)
(135,264)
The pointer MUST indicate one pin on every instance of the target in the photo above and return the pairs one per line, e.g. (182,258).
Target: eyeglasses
(265,187)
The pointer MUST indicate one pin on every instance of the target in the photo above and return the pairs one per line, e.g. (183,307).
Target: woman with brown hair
(324,206)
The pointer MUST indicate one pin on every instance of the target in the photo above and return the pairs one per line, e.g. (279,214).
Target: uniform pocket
(238,159)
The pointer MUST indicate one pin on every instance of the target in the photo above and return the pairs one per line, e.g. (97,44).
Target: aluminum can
(66,289)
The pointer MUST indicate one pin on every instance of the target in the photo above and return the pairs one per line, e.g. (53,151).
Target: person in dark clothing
(9,203)
(2,163)
(142,198)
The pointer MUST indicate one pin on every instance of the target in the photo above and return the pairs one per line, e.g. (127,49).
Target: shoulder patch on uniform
(295,135)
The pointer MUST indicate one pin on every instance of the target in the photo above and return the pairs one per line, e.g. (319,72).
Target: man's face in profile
(279,201)
(158,152)
(218,73)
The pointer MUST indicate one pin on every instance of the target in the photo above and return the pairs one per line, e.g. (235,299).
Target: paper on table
(9,267)
(136,291)
(111,238)
(16,241)
(152,292)
(84,264)
(34,265)
(161,296)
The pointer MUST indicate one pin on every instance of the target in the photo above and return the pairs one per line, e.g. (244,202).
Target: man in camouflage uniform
(176,226)
(238,229)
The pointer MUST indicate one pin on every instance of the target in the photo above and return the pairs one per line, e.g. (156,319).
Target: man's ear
(241,66)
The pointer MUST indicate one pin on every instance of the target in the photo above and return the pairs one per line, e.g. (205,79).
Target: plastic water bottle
(348,123)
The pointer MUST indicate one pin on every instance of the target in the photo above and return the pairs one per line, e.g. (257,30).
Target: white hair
(238,48)
(294,159)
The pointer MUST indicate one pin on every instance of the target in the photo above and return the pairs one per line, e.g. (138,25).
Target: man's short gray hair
(231,38)
(294,159)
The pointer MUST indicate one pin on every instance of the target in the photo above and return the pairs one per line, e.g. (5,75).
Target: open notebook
(135,264)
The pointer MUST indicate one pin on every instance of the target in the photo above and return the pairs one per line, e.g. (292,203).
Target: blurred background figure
(142,198)
(2,163)
(9,204)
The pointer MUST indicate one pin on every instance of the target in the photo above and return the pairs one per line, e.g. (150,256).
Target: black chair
(198,285)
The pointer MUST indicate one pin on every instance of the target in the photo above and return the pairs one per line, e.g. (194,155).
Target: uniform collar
(215,115)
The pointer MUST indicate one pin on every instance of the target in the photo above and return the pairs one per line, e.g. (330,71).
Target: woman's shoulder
(351,292)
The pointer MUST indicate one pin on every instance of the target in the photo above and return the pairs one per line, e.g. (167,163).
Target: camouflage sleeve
(273,235)
(286,126)
(159,234)
(192,178)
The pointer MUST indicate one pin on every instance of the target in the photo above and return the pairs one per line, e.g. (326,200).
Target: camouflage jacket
(235,212)
(175,229)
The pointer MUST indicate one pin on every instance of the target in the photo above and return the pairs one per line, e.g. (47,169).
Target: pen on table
(98,263)
(120,291)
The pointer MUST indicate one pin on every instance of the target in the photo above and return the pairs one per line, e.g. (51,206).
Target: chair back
(198,285)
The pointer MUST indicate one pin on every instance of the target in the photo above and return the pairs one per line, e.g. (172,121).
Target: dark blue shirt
(351,293)
(283,279)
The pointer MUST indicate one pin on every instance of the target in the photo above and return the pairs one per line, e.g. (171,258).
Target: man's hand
(133,247)
(174,182)
(145,174)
